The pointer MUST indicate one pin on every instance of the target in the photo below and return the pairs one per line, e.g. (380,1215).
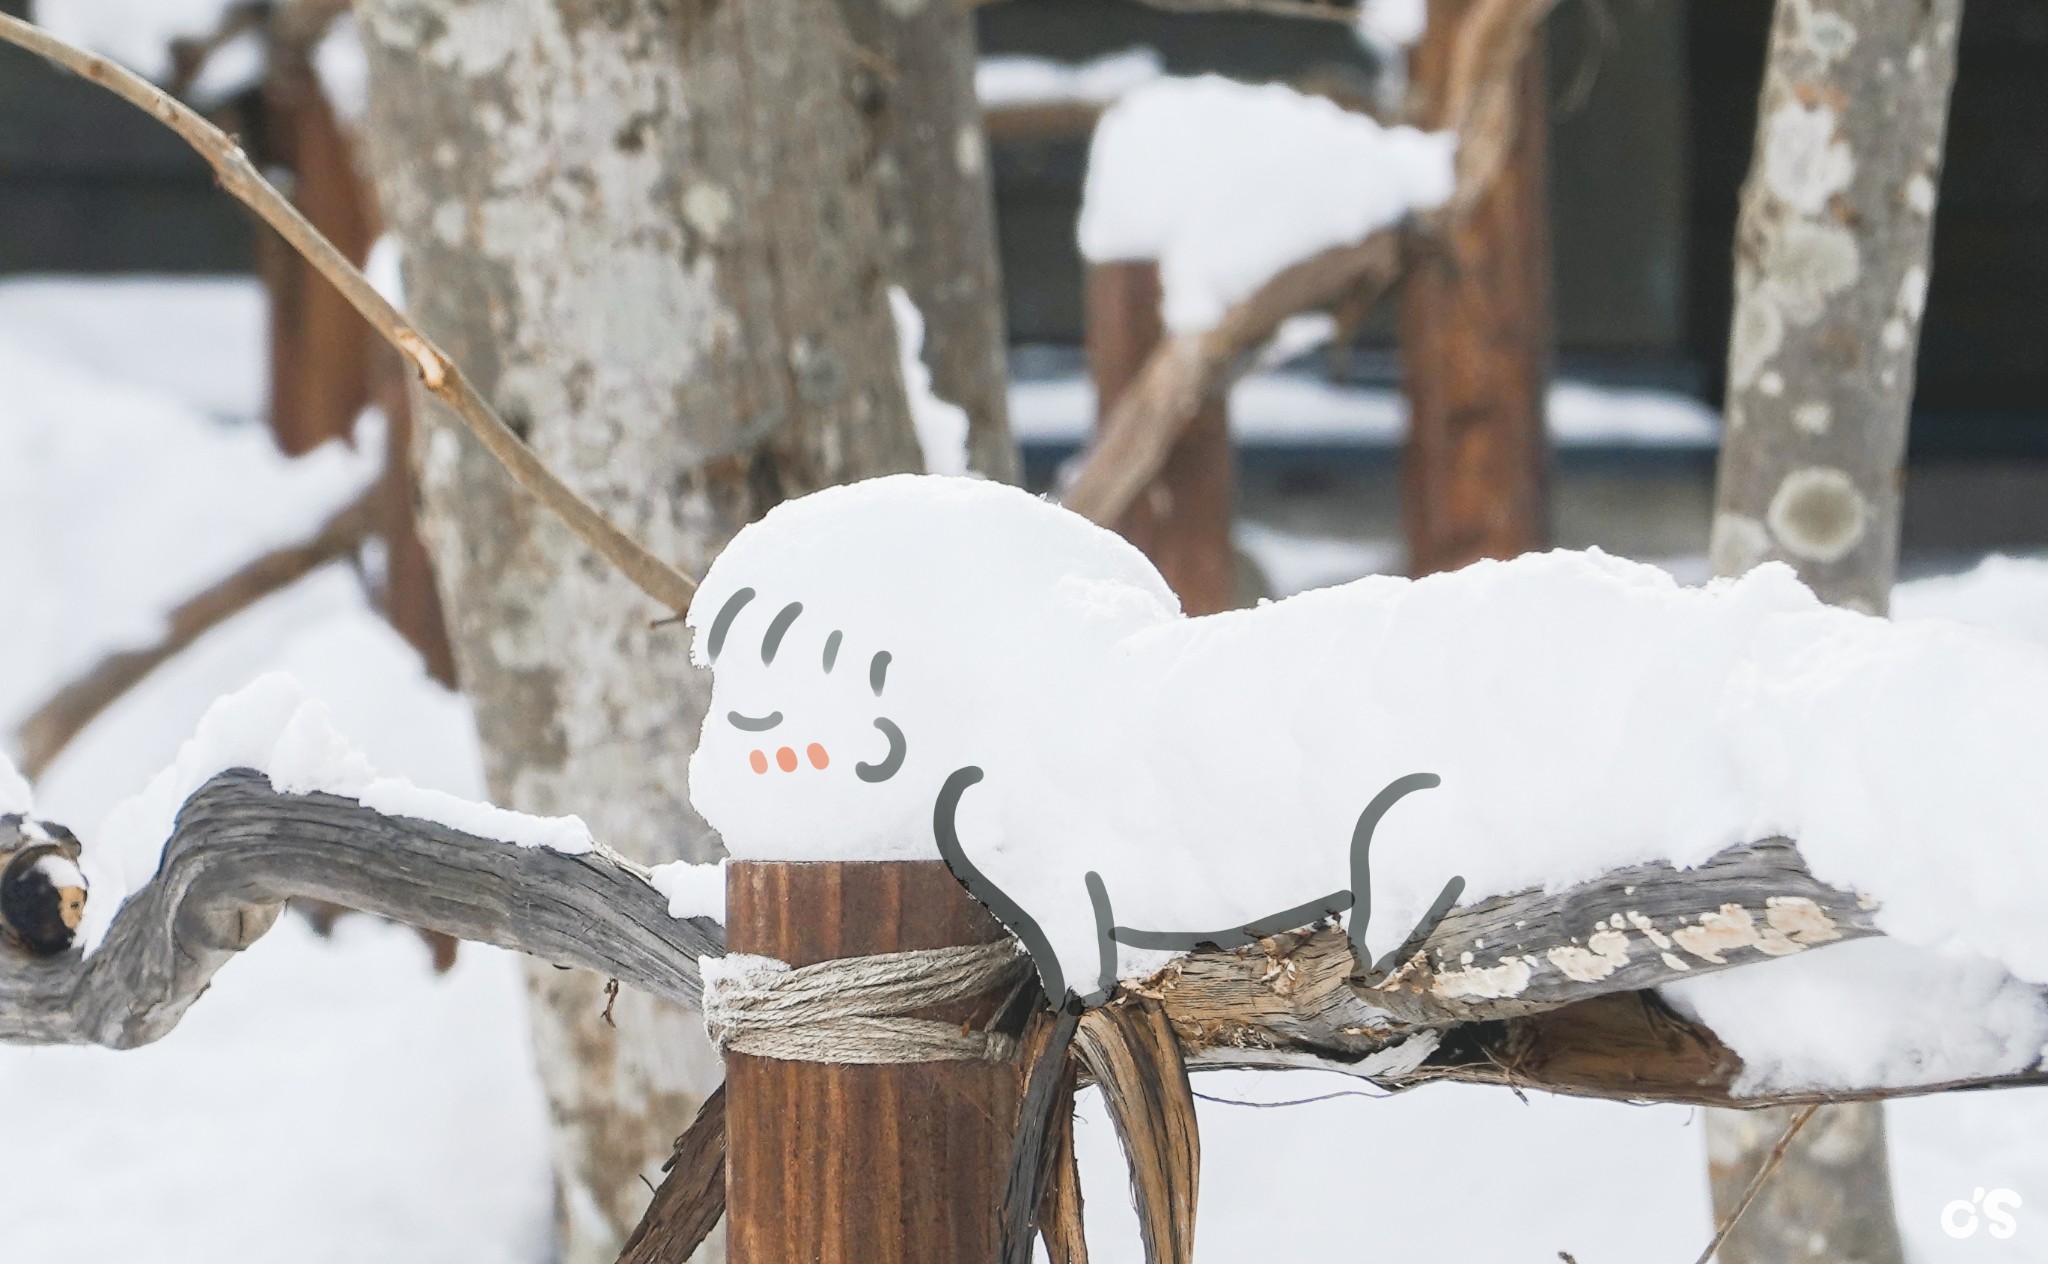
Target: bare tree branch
(241,849)
(1558,1002)
(691,1199)
(52,726)
(1188,368)
(440,375)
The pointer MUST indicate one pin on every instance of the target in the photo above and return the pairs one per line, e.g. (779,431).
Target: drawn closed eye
(752,725)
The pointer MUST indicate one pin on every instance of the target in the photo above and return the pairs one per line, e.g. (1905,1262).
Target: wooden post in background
(862,1164)
(1475,335)
(1182,522)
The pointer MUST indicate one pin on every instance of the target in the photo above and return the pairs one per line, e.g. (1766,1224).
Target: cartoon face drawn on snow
(919,667)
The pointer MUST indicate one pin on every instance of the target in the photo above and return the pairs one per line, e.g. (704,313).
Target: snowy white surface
(335,1101)
(1393,23)
(136,33)
(1874,1011)
(344,70)
(1017,80)
(1583,712)
(1226,184)
(1293,408)
(941,424)
(273,726)
(693,890)
(328,1101)
(15,796)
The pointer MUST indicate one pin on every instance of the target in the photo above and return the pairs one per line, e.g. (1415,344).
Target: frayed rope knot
(852,1011)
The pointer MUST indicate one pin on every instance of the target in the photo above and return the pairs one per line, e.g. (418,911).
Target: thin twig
(1756,1184)
(441,376)
(65,714)
(1298,1101)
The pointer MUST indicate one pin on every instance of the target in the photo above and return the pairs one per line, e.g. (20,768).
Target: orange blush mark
(817,754)
(785,759)
(759,761)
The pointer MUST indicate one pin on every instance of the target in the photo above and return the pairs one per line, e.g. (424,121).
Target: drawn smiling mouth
(891,761)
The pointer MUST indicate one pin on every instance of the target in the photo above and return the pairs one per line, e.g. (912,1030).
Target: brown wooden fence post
(1475,344)
(862,1164)
(1182,522)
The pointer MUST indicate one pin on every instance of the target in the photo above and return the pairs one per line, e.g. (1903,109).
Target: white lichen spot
(1675,961)
(1808,263)
(1818,514)
(1724,930)
(1464,958)
(1913,292)
(1920,194)
(707,208)
(1888,378)
(451,222)
(1829,35)
(1493,983)
(1894,335)
(1771,384)
(1737,543)
(1916,58)
(1805,164)
(1758,332)
(1605,952)
(1800,919)
(968,151)
(1731,927)
(1813,417)
(1648,928)
(904,8)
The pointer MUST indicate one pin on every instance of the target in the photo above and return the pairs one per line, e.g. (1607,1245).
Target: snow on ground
(1018,80)
(328,1100)
(1226,184)
(336,1101)
(1286,408)
(137,33)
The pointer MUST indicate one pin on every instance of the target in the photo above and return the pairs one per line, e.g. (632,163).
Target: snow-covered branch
(240,850)
(1188,367)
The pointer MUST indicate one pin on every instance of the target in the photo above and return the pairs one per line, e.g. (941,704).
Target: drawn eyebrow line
(723,623)
(878,671)
(832,649)
(752,725)
(778,629)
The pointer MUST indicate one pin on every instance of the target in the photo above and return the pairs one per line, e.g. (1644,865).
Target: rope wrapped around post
(853,1011)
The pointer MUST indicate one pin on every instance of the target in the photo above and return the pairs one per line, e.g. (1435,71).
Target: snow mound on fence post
(1226,184)
(1584,713)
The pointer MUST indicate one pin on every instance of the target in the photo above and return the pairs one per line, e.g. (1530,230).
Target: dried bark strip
(1048,1106)
(1131,1050)
(691,1198)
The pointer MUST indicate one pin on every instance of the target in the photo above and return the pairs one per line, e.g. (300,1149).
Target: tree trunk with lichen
(1831,272)
(649,230)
